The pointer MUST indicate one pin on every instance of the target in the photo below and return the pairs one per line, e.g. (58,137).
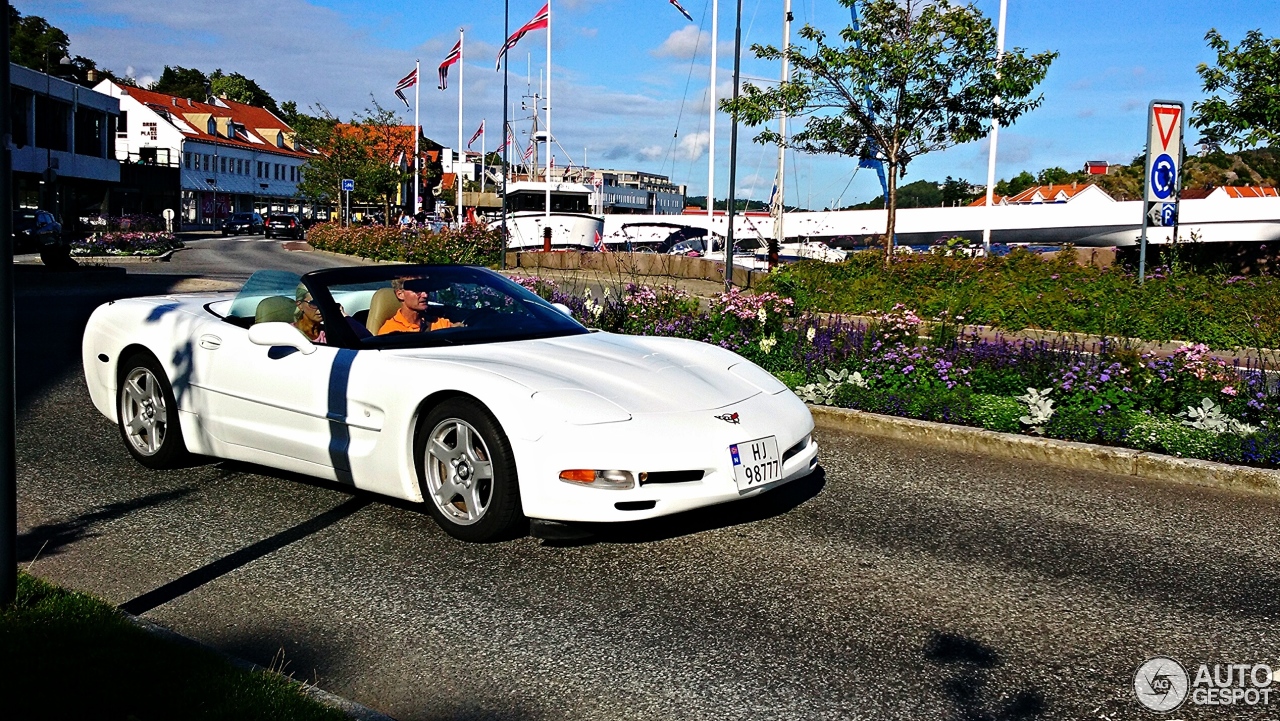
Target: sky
(629,78)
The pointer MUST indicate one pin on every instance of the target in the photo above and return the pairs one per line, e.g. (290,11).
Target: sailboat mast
(779,234)
(711,127)
(461,154)
(547,209)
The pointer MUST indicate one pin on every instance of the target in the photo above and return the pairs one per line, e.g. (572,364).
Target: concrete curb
(346,706)
(1069,454)
(125,259)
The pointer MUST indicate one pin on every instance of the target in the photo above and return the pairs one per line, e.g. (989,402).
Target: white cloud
(693,145)
(682,44)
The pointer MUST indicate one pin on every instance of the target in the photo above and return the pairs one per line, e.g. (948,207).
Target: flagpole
(547,201)
(506,146)
(711,137)
(417,73)
(482,157)
(457,171)
(991,149)
(779,233)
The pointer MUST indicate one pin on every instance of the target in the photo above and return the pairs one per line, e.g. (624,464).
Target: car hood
(638,374)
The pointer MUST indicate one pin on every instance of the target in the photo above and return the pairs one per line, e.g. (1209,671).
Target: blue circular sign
(1163,176)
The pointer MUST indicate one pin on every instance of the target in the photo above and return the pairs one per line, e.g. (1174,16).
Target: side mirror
(563,309)
(280,334)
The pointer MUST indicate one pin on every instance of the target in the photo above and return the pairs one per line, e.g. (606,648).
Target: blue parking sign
(348,185)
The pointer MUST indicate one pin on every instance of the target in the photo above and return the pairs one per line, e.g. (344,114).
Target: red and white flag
(599,242)
(405,83)
(454,56)
(528,151)
(478,133)
(539,21)
(683,12)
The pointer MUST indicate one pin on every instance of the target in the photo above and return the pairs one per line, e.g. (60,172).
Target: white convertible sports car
(447,385)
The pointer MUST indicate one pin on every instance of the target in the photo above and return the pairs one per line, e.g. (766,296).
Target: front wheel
(148,413)
(467,472)
(57,256)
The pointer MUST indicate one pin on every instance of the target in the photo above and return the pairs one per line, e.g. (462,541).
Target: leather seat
(275,309)
(382,306)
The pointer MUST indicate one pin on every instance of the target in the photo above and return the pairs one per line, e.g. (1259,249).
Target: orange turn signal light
(578,475)
(616,480)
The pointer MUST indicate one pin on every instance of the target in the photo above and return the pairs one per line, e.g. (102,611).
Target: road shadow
(965,666)
(49,539)
(190,581)
(50,314)
(769,504)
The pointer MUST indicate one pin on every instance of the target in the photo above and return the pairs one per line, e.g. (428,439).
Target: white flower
(763,315)
(586,293)
(809,335)
(767,344)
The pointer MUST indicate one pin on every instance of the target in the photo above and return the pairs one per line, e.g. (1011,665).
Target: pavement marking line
(209,572)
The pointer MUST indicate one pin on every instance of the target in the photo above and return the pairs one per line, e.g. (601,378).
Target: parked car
(36,231)
(246,223)
(284,225)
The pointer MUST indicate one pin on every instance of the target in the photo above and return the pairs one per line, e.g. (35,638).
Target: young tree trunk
(891,205)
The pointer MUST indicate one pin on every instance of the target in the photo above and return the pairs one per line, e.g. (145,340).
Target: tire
(268,235)
(147,413)
(470,500)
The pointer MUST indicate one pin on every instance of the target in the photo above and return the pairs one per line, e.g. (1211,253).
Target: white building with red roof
(1074,193)
(234,157)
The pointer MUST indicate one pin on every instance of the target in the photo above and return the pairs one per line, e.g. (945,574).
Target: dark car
(36,231)
(284,225)
(248,223)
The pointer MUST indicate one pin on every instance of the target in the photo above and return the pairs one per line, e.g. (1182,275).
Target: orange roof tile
(1250,191)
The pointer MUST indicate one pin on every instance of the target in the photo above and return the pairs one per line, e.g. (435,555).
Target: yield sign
(1166,121)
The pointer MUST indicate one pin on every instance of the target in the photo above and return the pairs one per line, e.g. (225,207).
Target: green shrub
(472,245)
(1023,290)
(1165,434)
(998,413)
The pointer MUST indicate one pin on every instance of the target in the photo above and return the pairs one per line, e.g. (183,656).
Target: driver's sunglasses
(309,301)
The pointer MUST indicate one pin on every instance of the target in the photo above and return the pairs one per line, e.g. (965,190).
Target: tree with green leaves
(918,76)
(183,82)
(1243,110)
(365,150)
(242,90)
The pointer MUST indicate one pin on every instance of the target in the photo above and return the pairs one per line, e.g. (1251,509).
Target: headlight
(615,480)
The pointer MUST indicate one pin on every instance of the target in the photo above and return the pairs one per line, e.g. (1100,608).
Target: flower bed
(117,243)
(1190,404)
(472,245)
(1023,290)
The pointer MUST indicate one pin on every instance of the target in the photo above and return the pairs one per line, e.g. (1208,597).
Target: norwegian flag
(510,140)
(478,133)
(680,7)
(539,21)
(599,242)
(405,83)
(528,151)
(454,56)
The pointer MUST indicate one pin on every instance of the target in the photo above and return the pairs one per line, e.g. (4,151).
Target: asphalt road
(899,583)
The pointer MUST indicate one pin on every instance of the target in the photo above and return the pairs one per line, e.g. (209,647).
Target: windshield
(408,306)
(242,216)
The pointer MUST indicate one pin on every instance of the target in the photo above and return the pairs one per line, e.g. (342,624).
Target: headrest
(276,308)
(382,306)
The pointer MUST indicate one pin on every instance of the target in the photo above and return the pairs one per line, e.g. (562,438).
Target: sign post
(1162,178)
(348,185)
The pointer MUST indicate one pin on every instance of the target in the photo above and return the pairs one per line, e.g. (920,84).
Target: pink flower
(1229,391)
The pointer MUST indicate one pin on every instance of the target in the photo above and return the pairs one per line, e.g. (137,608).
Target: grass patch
(1022,290)
(68,655)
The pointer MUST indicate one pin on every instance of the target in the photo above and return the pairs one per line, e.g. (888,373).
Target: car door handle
(210,342)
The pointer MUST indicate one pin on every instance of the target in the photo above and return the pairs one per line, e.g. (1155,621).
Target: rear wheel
(467,472)
(148,413)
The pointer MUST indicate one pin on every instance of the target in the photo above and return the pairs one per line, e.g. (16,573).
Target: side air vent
(804,443)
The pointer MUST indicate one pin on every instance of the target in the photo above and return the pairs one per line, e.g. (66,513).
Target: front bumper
(657,443)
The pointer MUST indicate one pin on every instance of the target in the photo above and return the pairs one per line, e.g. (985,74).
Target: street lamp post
(8,462)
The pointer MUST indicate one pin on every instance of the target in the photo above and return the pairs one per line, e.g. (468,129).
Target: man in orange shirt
(414,311)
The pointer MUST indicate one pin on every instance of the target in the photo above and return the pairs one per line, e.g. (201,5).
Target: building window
(186,160)
(122,125)
(51,123)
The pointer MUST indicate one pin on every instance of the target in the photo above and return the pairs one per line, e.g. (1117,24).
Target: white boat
(573,226)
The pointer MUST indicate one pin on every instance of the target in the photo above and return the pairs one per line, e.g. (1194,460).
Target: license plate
(756,463)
